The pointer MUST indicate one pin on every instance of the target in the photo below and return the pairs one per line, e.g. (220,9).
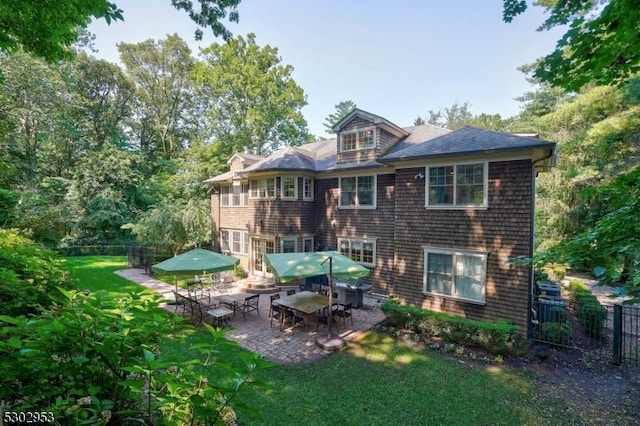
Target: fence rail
(606,333)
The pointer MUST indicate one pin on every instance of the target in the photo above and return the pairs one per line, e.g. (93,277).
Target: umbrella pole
(175,280)
(330,343)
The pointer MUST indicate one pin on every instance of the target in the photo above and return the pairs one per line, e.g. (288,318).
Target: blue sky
(397,59)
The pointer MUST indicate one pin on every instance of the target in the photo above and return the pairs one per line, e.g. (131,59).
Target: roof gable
(375,119)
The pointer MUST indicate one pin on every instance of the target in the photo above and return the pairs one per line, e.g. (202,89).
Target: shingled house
(435,214)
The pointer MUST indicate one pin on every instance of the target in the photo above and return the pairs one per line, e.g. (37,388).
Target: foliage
(48,30)
(95,359)
(498,337)
(342,109)
(458,116)
(30,276)
(590,312)
(239,272)
(599,46)
(254,102)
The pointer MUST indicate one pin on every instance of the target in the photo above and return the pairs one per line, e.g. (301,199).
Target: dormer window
(358,139)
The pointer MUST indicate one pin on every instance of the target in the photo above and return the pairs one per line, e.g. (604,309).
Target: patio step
(259,285)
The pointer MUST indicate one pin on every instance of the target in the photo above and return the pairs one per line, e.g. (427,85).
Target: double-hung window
(262,188)
(359,250)
(358,139)
(233,196)
(307,185)
(288,245)
(458,185)
(234,241)
(458,274)
(289,187)
(358,191)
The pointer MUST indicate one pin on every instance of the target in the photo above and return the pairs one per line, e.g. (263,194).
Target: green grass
(375,381)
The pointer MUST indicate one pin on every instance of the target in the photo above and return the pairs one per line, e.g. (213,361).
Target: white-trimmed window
(358,191)
(225,196)
(233,195)
(262,188)
(307,187)
(288,245)
(234,241)
(289,187)
(358,139)
(359,250)
(457,185)
(458,274)
(307,244)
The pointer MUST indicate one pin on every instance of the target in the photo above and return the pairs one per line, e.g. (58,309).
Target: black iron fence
(144,256)
(606,333)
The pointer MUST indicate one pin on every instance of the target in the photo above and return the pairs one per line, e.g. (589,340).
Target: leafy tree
(254,102)
(49,29)
(342,109)
(164,114)
(599,47)
(419,121)
(454,117)
(101,100)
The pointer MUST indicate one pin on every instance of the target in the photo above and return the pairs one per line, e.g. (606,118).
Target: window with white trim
(457,185)
(262,188)
(307,186)
(459,274)
(357,191)
(307,244)
(359,250)
(233,195)
(289,187)
(288,245)
(234,241)
(358,139)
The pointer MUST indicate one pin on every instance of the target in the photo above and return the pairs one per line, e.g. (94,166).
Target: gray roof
(422,141)
(468,140)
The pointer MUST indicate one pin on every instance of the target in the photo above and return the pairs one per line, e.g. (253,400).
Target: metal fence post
(617,334)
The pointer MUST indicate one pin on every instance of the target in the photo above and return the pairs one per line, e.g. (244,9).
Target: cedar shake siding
(375,224)
(503,230)
(497,226)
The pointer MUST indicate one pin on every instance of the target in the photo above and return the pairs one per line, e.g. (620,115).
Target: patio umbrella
(292,266)
(197,261)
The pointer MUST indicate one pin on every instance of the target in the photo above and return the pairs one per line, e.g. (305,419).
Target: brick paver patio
(256,334)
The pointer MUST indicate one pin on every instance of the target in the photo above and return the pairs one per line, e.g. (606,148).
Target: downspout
(534,174)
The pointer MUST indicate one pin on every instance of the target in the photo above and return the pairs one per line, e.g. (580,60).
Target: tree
(254,102)
(48,29)
(599,47)
(342,109)
(454,117)
(164,113)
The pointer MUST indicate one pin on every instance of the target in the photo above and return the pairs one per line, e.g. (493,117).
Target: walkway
(256,334)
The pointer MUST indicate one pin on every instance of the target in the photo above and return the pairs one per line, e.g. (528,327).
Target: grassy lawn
(376,381)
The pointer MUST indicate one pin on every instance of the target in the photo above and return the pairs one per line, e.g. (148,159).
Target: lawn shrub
(591,313)
(554,333)
(499,338)
(30,275)
(95,360)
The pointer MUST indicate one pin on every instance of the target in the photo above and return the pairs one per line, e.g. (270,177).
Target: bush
(30,275)
(499,338)
(95,360)
(553,332)
(591,313)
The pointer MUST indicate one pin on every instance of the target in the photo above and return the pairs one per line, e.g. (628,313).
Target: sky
(396,59)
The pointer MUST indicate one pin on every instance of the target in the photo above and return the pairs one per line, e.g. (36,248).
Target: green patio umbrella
(292,266)
(197,261)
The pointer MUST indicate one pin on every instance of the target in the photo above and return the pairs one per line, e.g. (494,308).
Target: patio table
(305,302)
(220,314)
(233,300)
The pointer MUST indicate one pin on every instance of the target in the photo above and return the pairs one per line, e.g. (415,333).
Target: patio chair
(344,312)
(276,311)
(250,304)
(291,292)
(325,317)
(295,319)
